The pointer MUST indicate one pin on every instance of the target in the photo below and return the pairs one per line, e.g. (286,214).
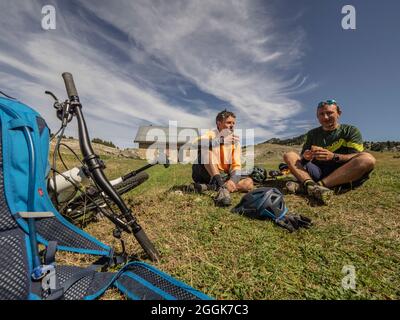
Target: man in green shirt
(332,156)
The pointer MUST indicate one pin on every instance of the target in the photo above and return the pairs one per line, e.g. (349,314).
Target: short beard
(331,128)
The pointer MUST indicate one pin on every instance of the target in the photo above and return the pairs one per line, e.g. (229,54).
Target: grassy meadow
(229,256)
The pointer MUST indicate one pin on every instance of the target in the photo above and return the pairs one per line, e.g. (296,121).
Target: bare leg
(351,171)
(293,160)
(222,197)
(245,185)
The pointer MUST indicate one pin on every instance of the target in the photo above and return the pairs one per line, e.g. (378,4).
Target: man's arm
(307,144)
(354,141)
(306,153)
(236,166)
(339,158)
(214,139)
(354,144)
(207,141)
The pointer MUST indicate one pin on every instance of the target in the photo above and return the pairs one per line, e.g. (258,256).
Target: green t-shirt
(345,139)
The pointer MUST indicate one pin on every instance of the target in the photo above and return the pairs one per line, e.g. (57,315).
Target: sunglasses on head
(327,102)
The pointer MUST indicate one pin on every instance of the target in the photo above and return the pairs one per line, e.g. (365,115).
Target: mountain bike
(102,193)
(78,200)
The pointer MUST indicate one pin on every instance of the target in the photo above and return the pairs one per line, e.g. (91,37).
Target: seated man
(218,166)
(332,156)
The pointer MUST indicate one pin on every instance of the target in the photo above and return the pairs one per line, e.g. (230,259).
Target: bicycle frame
(67,180)
(95,168)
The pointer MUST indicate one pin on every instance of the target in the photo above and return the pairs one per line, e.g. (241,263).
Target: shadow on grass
(280,184)
(185,188)
(273,183)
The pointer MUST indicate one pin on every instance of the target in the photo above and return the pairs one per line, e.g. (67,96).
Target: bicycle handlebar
(95,167)
(70,85)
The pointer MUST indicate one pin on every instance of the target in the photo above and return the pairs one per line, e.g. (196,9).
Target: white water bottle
(65,188)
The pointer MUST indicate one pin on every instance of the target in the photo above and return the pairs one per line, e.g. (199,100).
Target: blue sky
(271,62)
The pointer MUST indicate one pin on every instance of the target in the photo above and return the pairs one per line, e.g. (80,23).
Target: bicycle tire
(123,187)
(147,245)
(131,183)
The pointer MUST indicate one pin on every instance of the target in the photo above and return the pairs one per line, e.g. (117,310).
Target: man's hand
(228,137)
(231,186)
(308,155)
(231,139)
(323,155)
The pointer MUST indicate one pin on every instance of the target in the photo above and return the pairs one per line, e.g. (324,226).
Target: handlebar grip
(69,84)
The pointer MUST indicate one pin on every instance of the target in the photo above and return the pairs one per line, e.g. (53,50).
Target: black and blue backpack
(24,201)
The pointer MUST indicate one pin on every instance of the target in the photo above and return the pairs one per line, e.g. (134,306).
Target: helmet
(258,174)
(262,203)
(283,166)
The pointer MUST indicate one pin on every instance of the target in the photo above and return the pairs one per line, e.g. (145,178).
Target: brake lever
(51,94)
(57,105)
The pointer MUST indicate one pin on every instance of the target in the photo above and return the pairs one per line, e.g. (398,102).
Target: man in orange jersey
(218,167)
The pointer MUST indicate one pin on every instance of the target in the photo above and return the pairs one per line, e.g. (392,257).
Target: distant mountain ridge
(370,145)
(295,141)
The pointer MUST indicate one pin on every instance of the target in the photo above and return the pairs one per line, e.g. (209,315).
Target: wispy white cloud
(231,50)
(227,49)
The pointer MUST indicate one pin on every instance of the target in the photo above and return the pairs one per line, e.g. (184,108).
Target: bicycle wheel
(131,183)
(82,205)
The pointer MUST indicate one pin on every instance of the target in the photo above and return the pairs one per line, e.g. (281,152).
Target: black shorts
(201,175)
(320,170)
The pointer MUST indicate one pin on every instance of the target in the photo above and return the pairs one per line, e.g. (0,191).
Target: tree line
(369,145)
(94,140)
(382,146)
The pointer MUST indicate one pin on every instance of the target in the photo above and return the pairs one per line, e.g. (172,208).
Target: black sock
(217,180)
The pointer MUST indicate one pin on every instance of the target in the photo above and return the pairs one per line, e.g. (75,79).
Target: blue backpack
(24,151)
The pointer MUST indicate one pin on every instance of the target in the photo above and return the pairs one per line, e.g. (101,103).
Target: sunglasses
(327,102)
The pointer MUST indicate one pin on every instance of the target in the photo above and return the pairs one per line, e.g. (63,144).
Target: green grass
(228,256)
